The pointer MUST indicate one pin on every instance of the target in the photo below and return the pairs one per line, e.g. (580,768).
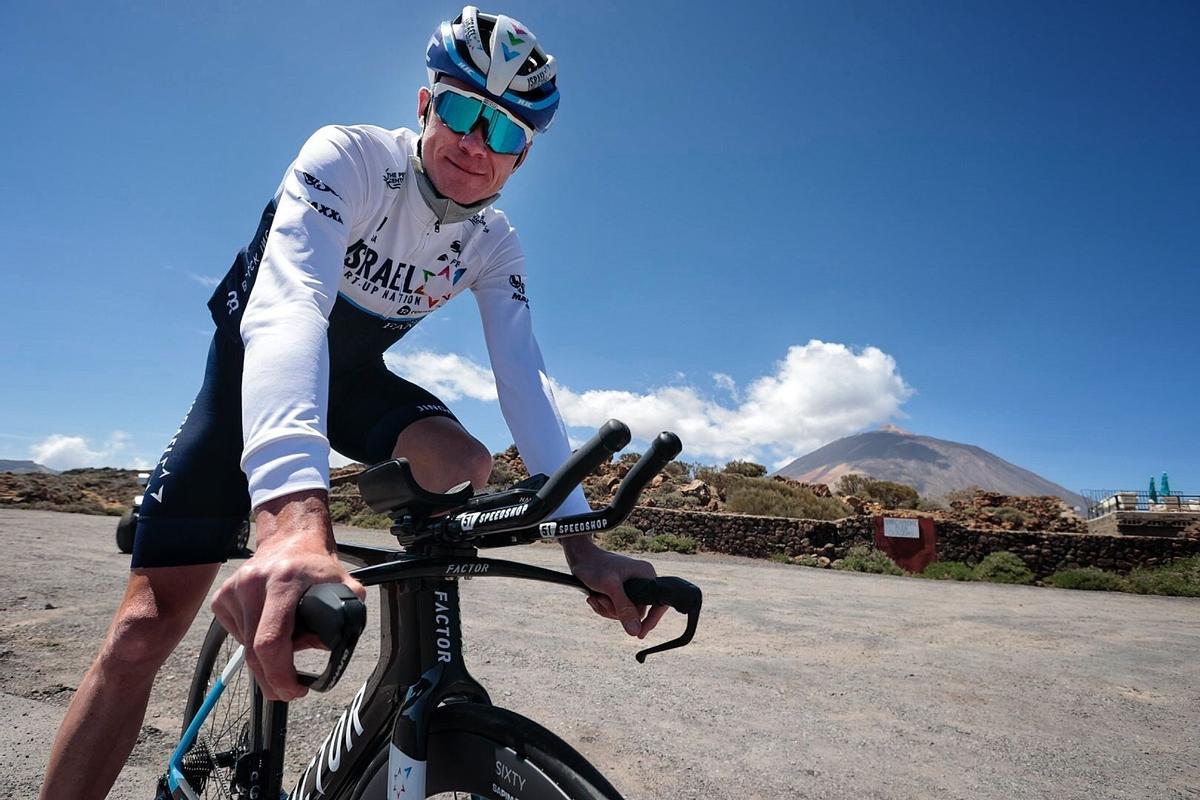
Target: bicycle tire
(126,528)
(466,743)
(231,728)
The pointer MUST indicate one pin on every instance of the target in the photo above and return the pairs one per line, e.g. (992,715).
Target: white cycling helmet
(499,57)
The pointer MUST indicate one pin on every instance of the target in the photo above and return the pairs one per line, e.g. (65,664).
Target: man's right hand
(257,604)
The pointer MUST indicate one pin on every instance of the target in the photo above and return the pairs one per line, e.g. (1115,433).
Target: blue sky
(765,225)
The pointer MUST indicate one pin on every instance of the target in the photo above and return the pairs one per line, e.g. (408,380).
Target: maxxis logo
(326,211)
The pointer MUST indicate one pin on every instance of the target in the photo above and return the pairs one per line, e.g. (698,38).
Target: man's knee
(478,463)
(443,454)
(157,610)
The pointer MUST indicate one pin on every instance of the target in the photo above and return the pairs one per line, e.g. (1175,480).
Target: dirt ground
(801,683)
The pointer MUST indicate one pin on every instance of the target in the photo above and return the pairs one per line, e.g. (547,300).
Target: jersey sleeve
(285,378)
(522,384)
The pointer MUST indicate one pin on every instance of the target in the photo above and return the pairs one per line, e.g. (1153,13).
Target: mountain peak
(890,428)
(931,466)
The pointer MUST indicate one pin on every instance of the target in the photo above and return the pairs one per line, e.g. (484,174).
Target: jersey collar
(444,209)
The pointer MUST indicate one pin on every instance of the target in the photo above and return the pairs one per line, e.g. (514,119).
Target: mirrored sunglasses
(461,110)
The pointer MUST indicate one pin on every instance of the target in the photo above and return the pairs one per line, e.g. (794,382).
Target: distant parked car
(129,520)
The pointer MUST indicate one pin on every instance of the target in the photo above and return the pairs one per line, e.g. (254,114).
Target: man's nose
(475,142)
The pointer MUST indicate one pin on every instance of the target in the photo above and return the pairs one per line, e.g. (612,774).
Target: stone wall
(1045,553)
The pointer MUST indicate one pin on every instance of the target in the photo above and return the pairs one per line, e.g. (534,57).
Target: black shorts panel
(197,496)
(370,406)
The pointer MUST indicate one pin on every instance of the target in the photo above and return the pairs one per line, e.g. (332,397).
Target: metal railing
(1106,501)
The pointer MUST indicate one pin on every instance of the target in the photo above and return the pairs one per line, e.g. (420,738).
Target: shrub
(623,537)
(669,542)
(1008,514)
(868,559)
(777,499)
(1090,578)
(780,558)
(948,571)
(369,519)
(677,470)
(340,512)
(1178,579)
(1003,567)
(746,469)
(676,500)
(886,493)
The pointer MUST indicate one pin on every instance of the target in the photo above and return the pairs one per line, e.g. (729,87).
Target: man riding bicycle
(370,231)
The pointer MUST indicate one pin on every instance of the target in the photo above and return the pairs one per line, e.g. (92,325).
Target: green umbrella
(1166,487)
(1153,491)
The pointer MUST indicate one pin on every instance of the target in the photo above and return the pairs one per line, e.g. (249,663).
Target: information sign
(899,528)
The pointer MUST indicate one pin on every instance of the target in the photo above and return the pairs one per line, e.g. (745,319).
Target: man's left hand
(605,573)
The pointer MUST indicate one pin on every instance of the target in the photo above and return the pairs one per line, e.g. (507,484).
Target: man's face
(461,166)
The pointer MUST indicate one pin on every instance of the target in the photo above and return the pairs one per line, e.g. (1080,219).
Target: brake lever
(683,596)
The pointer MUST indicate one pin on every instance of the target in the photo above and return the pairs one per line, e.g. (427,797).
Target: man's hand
(295,550)
(605,573)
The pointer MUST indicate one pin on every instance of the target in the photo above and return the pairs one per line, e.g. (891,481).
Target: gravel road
(801,683)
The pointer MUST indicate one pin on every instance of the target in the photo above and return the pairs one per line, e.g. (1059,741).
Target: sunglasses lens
(503,135)
(460,114)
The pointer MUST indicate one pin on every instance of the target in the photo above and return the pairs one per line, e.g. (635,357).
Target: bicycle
(420,726)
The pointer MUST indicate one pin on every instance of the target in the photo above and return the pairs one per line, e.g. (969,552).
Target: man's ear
(423,97)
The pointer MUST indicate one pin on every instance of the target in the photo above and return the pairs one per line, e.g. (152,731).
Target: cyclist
(369,232)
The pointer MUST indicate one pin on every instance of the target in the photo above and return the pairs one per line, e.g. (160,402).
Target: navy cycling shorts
(197,496)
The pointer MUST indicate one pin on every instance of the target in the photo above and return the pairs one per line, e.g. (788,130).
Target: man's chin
(464,195)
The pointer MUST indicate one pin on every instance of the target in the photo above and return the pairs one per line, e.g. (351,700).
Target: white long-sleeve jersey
(347,259)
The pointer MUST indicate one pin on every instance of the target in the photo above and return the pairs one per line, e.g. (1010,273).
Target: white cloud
(204,280)
(450,377)
(818,392)
(207,281)
(727,384)
(59,451)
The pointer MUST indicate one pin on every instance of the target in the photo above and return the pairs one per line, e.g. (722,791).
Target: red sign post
(911,543)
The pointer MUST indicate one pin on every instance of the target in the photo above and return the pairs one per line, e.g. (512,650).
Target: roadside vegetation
(1180,578)
(630,539)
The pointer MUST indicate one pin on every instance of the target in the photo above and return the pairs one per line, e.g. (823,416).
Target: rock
(699,490)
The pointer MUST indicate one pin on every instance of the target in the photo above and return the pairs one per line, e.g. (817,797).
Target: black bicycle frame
(420,664)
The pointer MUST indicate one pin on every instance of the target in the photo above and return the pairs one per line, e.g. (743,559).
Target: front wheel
(233,732)
(480,751)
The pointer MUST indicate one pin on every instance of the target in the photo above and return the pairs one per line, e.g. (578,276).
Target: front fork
(446,678)
(429,662)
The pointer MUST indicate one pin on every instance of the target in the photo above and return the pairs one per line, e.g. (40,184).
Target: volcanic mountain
(7,465)
(932,466)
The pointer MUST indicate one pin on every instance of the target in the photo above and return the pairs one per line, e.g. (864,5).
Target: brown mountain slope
(932,466)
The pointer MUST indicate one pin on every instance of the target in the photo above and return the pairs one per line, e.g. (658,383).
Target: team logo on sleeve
(318,184)
(518,283)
